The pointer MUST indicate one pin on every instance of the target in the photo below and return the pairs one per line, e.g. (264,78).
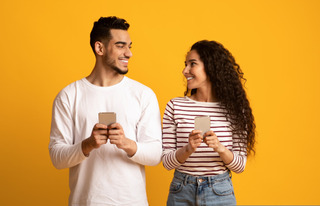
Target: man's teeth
(125,61)
(189,78)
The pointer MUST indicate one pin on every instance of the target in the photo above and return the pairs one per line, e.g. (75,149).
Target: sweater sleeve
(238,163)
(63,152)
(149,132)
(169,140)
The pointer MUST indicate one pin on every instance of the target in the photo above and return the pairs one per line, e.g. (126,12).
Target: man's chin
(119,71)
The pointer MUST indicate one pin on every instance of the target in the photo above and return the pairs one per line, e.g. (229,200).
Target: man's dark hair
(101,29)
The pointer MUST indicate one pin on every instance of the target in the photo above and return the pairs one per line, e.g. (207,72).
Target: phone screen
(202,123)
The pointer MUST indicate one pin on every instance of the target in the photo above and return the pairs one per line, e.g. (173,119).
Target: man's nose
(128,53)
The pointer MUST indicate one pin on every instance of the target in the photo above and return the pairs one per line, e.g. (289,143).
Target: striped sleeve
(169,142)
(238,163)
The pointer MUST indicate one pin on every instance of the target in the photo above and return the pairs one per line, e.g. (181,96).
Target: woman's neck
(204,96)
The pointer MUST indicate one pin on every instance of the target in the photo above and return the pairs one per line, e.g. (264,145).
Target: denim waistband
(190,179)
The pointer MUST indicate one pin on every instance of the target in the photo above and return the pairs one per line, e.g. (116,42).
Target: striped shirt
(178,122)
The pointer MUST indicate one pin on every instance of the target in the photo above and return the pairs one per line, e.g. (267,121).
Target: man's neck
(104,77)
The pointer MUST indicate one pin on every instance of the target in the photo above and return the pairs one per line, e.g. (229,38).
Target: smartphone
(107,118)
(202,123)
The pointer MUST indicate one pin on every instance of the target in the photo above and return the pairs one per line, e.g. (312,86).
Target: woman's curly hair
(227,84)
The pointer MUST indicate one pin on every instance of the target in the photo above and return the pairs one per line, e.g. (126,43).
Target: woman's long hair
(227,85)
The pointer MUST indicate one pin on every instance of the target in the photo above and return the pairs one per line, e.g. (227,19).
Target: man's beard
(111,63)
(119,71)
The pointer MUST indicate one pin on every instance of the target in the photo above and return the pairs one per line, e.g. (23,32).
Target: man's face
(118,51)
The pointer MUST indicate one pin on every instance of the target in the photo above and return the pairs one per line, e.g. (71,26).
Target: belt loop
(209,181)
(185,180)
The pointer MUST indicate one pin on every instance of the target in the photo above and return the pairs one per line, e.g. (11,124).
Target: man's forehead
(120,35)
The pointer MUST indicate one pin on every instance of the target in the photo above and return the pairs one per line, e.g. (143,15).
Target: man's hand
(99,136)
(117,137)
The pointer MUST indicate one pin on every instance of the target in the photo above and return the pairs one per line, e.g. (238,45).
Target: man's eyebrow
(123,42)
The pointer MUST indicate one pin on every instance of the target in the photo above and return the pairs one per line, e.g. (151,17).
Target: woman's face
(194,71)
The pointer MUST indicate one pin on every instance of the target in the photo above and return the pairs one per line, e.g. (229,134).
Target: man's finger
(115,126)
(100,126)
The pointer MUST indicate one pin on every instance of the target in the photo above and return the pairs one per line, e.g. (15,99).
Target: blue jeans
(201,190)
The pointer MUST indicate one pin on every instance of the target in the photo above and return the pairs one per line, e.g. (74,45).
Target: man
(106,162)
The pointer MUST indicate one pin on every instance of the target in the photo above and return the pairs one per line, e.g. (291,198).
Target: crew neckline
(199,102)
(85,80)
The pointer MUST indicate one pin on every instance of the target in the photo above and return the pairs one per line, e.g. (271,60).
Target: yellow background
(45,46)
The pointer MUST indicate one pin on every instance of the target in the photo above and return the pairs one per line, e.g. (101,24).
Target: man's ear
(99,48)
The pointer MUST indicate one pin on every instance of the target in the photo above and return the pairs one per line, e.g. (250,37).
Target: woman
(203,163)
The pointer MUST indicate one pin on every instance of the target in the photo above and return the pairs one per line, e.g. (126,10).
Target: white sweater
(108,176)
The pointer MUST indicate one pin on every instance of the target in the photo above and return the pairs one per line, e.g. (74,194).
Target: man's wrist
(86,147)
(132,148)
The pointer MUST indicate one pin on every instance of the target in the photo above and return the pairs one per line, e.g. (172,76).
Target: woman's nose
(185,70)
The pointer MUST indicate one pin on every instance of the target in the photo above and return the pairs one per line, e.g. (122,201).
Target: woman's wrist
(221,149)
(183,153)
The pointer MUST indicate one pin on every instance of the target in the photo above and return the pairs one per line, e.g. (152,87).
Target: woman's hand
(195,139)
(211,139)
